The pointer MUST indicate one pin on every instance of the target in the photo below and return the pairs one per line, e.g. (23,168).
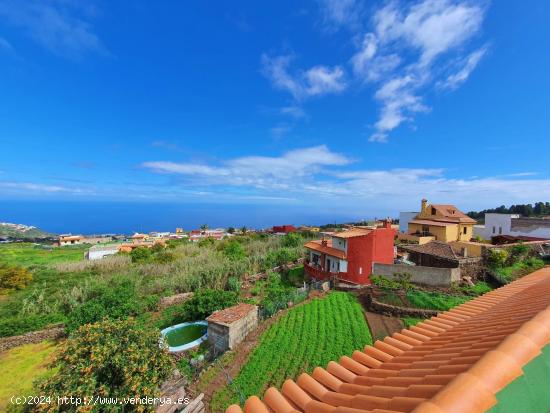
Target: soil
(382,326)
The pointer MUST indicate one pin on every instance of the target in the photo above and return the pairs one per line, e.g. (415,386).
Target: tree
(204,227)
(108,359)
(230,230)
(244,230)
(14,277)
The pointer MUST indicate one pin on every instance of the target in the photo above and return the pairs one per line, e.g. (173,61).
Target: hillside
(21,231)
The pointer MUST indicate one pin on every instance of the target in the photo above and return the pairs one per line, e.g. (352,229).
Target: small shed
(228,327)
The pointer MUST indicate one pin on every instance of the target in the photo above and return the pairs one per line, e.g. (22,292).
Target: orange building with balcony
(349,255)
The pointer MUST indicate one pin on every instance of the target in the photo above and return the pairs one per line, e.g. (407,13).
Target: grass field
(20,367)
(27,254)
(307,336)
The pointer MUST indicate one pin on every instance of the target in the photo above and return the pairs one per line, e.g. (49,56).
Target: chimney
(324,243)
(424,204)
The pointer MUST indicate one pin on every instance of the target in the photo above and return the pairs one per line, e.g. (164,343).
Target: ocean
(93,217)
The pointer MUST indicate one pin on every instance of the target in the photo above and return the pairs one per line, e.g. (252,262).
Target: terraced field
(307,336)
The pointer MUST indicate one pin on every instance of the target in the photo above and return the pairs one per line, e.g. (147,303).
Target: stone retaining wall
(33,337)
(394,311)
(174,299)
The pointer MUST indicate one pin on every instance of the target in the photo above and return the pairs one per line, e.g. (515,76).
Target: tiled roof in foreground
(455,362)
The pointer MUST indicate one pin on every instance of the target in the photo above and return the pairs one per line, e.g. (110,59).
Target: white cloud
(258,171)
(431,26)
(317,174)
(295,111)
(337,13)
(39,187)
(62,27)
(279,131)
(468,65)
(399,55)
(319,80)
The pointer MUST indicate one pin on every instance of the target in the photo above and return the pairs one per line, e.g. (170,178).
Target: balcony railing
(317,272)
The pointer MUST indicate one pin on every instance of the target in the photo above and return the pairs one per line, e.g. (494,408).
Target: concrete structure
(514,225)
(445,222)
(227,328)
(437,254)
(404,219)
(432,276)
(69,239)
(98,252)
(349,255)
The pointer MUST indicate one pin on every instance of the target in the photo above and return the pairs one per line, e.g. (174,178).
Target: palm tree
(244,229)
(204,227)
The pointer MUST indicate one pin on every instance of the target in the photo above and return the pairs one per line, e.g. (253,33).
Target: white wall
(99,254)
(333,264)
(497,224)
(404,219)
(339,243)
(343,266)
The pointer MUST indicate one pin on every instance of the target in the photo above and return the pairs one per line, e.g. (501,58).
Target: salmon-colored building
(349,255)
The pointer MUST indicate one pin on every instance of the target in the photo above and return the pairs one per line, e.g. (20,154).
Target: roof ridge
(425,368)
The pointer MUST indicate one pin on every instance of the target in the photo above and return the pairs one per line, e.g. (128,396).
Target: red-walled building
(349,255)
(283,229)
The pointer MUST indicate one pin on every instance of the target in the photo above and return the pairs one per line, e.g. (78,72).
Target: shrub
(207,242)
(292,239)
(158,247)
(199,307)
(496,258)
(385,283)
(108,359)
(295,276)
(164,257)
(14,277)
(234,250)
(141,255)
(233,284)
(113,302)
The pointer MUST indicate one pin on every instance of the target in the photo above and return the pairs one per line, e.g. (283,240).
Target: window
(500,230)
(465,230)
(494,230)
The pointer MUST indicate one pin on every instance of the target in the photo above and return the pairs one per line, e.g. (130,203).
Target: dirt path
(382,326)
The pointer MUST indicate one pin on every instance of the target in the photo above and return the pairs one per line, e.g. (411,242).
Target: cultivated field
(307,336)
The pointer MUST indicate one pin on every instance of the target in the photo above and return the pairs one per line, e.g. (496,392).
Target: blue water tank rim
(186,346)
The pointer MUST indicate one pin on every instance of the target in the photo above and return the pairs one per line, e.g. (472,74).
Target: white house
(98,252)
(514,225)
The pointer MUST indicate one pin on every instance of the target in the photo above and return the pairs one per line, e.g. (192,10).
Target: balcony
(315,271)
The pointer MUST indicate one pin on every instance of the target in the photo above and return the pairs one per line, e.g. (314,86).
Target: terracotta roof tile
(455,362)
(231,314)
(325,249)
(353,232)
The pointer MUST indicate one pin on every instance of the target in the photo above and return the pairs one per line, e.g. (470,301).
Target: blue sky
(347,107)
